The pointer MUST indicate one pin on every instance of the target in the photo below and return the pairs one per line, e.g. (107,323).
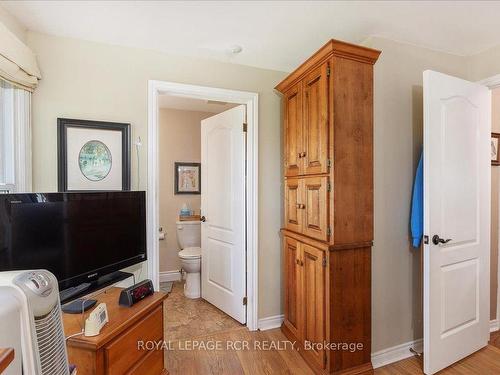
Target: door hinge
(329,163)
(328,186)
(328,231)
(324,261)
(245,300)
(426,240)
(245,127)
(328,71)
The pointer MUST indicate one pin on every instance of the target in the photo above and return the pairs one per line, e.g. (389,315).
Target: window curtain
(18,64)
(15,138)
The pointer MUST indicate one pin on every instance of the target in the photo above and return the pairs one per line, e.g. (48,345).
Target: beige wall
(13,24)
(396,280)
(180,133)
(102,82)
(495,186)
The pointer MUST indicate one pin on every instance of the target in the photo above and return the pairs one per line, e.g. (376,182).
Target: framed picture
(495,155)
(187,178)
(93,155)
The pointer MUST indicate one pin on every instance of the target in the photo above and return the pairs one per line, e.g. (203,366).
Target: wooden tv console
(115,350)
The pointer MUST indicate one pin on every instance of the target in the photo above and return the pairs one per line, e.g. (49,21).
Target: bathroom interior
(180,232)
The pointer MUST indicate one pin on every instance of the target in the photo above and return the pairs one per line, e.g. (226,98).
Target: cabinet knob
(304,154)
(299,155)
(303,206)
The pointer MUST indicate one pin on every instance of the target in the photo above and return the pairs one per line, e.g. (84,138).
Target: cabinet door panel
(293,122)
(315,211)
(316,121)
(293,212)
(313,300)
(292,285)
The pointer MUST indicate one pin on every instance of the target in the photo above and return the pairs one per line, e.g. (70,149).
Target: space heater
(35,314)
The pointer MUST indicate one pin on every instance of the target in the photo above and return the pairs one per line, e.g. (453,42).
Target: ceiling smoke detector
(235,49)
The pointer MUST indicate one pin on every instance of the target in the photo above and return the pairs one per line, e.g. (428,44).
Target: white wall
(96,81)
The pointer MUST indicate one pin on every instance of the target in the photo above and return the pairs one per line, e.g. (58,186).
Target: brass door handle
(303,154)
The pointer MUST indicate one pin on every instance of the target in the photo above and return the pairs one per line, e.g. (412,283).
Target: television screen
(77,236)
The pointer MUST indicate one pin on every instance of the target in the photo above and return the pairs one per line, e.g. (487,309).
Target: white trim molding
(251,100)
(271,322)
(170,276)
(396,353)
(494,325)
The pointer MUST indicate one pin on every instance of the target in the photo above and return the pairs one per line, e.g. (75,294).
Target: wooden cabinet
(315,123)
(305,295)
(116,349)
(306,206)
(292,285)
(328,233)
(293,131)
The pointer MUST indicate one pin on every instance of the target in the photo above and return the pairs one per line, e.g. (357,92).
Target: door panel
(316,121)
(315,207)
(456,207)
(313,299)
(292,285)
(293,211)
(223,204)
(293,122)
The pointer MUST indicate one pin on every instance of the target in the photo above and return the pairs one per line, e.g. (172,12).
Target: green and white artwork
(95,160)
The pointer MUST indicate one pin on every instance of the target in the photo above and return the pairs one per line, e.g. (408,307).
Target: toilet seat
(190,253)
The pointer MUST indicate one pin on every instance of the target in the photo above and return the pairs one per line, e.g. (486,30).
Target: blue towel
(417,206)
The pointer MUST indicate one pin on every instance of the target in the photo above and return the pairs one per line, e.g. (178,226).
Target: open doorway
(221,166)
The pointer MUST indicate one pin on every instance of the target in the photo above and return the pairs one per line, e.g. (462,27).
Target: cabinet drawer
(151,364)
(123,353)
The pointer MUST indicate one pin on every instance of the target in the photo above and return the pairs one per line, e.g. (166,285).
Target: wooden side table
(115,350)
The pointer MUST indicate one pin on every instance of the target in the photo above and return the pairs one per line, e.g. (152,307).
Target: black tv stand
(87,288)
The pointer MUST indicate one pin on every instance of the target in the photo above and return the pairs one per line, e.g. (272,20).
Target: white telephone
(96,320)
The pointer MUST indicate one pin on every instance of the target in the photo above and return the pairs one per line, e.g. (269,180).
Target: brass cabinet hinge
(328,71)
(324,262)
(329,163)
(328,186)
(245,127)
(245,301)
(328,231)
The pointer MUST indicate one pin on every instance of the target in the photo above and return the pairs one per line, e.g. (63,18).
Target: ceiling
(274,34)
(189,104)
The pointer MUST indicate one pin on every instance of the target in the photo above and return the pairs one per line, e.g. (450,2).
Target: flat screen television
(79,237)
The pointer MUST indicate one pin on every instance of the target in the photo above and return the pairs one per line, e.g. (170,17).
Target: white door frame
(250,99)
(493,83)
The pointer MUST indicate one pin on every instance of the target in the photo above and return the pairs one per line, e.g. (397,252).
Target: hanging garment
(417,205)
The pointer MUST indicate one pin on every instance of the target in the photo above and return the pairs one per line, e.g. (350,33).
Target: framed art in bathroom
(93,155)
(495,153)
(187,178)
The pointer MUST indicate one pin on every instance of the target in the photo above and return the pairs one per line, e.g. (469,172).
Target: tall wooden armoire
(328,233)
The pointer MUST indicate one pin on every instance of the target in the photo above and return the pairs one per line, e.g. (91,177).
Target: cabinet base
(363,369)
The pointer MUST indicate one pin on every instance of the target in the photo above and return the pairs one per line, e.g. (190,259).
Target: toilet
(189,238)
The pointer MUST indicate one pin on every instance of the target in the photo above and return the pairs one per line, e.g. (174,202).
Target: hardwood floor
(217,354)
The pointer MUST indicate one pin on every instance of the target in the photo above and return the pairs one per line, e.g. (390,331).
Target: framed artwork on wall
(495,154)
(93,155)
(187,178)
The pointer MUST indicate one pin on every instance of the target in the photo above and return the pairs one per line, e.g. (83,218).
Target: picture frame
(187,178)
(495,153)
(93,155)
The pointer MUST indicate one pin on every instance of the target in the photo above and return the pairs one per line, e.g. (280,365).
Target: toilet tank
(189,234)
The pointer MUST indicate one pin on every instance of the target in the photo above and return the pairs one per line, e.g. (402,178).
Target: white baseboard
(270,322)
(396,353)
(169,276)
(494,325)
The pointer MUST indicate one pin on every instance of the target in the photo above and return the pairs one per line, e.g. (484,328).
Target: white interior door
(223,250)
(457,188)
